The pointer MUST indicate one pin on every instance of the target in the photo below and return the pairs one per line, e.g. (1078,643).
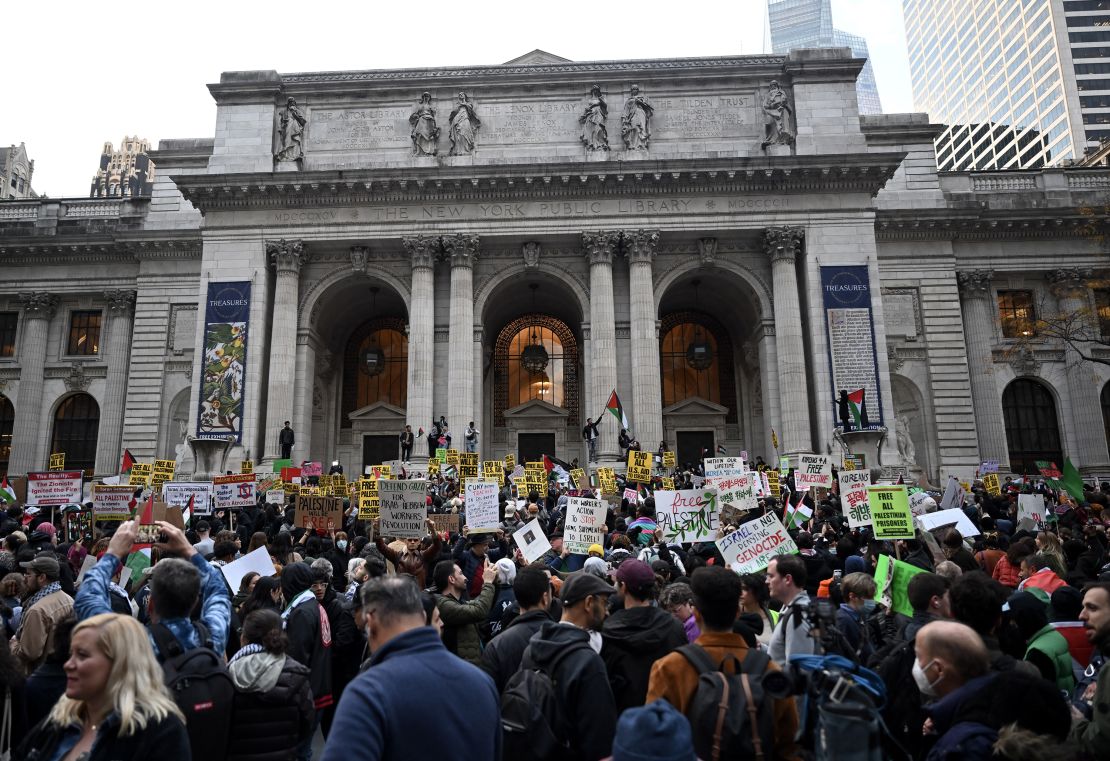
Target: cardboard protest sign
(160,511)
(691,515)
(853,496)
(178,493)
(531,540)
(585,524)
(813,470)
(639,467)
(1031,506)
(953,517)
(57,461)
(402,509)
(482,513)
(578,476)
(112,503)
(670,459)
(446,522)
(751,547)
(253,562)
(55,487)
(723,466)
(890,511)
(991,484)
(737,492)
(319,512)
(892,579)
(233,491)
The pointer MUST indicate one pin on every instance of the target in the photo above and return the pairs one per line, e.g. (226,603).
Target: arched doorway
(375,366)
(1032,427)
(7,421)
(76,425)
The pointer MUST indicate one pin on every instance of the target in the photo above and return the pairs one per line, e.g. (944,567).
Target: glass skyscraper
(808,24)
(1021,84)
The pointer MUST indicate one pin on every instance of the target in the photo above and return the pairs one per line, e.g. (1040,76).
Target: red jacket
(1006,573)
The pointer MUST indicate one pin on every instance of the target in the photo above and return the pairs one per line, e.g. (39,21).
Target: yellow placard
(510,462)
(492,471)
(991,484)
(368,508)
(453,457)
(290,488)
(140,474)
(468,458)
(639,467)
(58,461)
(607,480)
(670,459)
(578,475)
(433,467)
(668,484)
(246,466)
(773,482)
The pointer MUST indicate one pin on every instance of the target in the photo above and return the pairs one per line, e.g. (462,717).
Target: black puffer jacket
(164,740)
(501,657)
(635,638)
(268,726)
(309,632)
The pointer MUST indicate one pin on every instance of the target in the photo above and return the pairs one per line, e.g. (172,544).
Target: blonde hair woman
(115,705)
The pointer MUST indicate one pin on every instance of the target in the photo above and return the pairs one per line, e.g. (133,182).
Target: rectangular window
(84,333)
(1102,309)
(8,323)
(1015,312)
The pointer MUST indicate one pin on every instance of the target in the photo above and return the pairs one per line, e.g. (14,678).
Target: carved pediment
(695,405)
(536,58)
(378,411)
(536,409)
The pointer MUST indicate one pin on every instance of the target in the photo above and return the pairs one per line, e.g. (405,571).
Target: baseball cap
(635,573)
(580,585)
(44,565)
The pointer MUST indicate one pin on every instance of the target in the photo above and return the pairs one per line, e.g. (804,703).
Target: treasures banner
(226,318)
(853,367)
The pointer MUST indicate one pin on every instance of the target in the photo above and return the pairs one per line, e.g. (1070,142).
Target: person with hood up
(273,711)
(309,632)
(637,635)
(503,596)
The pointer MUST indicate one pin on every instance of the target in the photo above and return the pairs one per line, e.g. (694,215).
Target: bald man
(952,669)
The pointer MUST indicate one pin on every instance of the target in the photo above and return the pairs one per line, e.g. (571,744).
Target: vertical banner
(850,327)
(223,370)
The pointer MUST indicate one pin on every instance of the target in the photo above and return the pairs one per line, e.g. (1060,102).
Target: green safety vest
(1055,648)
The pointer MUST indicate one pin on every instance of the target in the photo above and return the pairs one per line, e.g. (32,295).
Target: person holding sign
(415,560)
(472,551)
(461,619)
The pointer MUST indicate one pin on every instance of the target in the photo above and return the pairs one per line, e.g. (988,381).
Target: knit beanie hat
(656,732)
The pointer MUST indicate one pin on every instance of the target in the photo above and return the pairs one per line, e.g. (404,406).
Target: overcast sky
(81,73)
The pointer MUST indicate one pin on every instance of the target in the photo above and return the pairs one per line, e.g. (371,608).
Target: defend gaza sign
(751,547)
(402,510)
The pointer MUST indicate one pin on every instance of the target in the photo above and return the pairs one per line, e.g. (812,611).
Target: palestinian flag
(187,511)
(1071,481)
(614,406)
(855,405)
(721,449)
(798,513)
(556,466)
(139,559)
(128,461)
(7,493)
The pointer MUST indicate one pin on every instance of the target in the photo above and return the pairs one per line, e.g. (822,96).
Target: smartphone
(149,534)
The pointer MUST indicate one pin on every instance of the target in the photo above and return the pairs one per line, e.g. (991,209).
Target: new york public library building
(725,242)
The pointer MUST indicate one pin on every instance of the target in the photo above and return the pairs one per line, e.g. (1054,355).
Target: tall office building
(126,172)
(1020,84)
(808,24)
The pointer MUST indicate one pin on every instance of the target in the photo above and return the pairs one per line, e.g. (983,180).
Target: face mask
(922,679)
(595,641)
(341,544)
(869,607)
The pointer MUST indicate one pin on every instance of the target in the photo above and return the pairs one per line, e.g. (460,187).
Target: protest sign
(452,457)
(481,506)
(631,495)
(445,522)
(177,493)
(433,467)
(737,492)
(855,462)
(773,484)
(163,471)
(57,461)
(607,480)
(246,466)
(510,462)
(368,507)
(468,458)
(140,474)
(992,485)
(784,466)
(668,484)
(691,515)
(112,503)
(585,524)
(890,511)
(531,540)
(55,487)
(402,509)
(639,466)
(670,459)
(1031,506)
(853,496)
(751,547)
(279,464)
(319,512)
(492,471)
(988,466)
(892,579)
(275,496)
(441,454)
(233,491)
(578,476)
(953,517)
(720,467)
(1048,469)
(813,470)
(309,469)
(253,562)
(289,474)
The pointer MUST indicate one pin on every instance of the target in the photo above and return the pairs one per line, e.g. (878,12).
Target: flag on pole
(774,439)
(7,493)
(128,461)
(554,464)
(798,513)
(855,404)
(614,406)
(1071,481)
(187,512)
(721,449)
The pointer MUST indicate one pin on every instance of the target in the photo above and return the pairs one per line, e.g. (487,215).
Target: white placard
(953,494)
(86,566)
(257,561)
(813,470)
(691,515)
(177,494)
(952,517)
(531,540)
(402,509)
(112,503)
(853,496)
(481,506)
(1031,506)
(750,548)
(723,466)
(275,496)
(55,487)
(585,524)
(739,492)
(234,491)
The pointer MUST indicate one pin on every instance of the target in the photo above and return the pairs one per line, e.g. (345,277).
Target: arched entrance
(76,425)
(1032,427)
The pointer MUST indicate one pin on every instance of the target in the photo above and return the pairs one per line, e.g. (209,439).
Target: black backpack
(201,685)
(533,723)
(730,714)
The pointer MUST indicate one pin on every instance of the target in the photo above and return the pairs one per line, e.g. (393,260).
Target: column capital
(120,302)
(974,283)
(461,249)
(287,256)
(783,243)
(1070,281)
(38,305)
(640,245)
(421,250)
(600,247)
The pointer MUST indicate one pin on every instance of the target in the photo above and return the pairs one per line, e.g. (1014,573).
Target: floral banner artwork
(226,320)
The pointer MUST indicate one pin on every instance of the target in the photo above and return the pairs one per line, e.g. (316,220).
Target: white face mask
(595,641)
(922,679)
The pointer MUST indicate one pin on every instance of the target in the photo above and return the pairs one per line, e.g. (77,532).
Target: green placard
(892,579)
(279,464)
(890,512)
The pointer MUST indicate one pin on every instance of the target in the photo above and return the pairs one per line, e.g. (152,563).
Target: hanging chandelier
(699,354)
(534,357)
(373,358)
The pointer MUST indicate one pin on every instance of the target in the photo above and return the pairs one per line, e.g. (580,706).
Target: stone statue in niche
(594,134)
(464,127)
(291,133)
(425,133)
(906,450)
(778,117)
(636,121)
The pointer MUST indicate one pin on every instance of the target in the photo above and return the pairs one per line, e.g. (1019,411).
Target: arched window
(516,381)
(7,420)
(76,425)
(695,357)
(1032,431)
(375,366)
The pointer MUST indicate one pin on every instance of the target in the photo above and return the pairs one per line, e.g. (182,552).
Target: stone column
(117,351)
(422,251)
(986,402)
(287,257)
(462,251)
(647,401)
(783,245)
(1070,286)
(38,310)
(599,248)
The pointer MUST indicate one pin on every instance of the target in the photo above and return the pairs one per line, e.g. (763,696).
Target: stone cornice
(853,173)
(58,250)
(953,224)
